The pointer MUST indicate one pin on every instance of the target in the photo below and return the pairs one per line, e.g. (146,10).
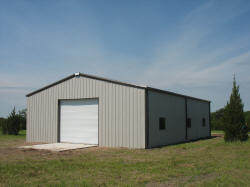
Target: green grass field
(217,132)
(202,163)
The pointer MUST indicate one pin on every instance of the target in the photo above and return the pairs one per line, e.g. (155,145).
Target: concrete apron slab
(57,146)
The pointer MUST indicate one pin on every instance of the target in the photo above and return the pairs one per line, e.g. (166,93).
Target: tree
(247,117)
(217,119)
(13,123)
(234,118)
(3,125)
(22,118)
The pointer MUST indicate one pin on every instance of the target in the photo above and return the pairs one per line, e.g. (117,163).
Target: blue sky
(190,47)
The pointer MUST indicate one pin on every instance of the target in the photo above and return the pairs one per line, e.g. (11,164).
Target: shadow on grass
(189,141)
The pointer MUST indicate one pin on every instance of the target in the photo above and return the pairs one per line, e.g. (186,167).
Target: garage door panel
(79,121)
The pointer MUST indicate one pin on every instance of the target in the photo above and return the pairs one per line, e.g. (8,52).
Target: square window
(162,123)
(203,122)
(188,122)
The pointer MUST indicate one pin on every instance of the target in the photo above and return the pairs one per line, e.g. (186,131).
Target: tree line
(217,119)
(15,122)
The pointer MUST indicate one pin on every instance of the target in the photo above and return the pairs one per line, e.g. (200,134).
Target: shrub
(244,133)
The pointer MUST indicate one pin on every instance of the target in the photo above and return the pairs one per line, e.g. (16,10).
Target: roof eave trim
(112,81)
(50,85)
(87,76)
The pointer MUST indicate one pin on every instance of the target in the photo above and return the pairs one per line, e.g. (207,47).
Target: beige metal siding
(196,111)
(121,111)
(173,109)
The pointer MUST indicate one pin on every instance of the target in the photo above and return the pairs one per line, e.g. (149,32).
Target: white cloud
(187,61)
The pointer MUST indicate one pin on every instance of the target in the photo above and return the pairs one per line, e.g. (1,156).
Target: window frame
(203,122)
(162,123)
(189,123)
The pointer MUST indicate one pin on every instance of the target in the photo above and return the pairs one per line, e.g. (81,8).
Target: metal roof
(112,81)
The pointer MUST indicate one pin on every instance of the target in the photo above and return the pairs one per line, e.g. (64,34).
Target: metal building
(82,108)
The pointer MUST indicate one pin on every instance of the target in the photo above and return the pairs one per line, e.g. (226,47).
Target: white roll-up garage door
(79,121)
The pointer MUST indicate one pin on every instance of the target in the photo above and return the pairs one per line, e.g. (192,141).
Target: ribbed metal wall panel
(196,110)
(172,107)
(121,111)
